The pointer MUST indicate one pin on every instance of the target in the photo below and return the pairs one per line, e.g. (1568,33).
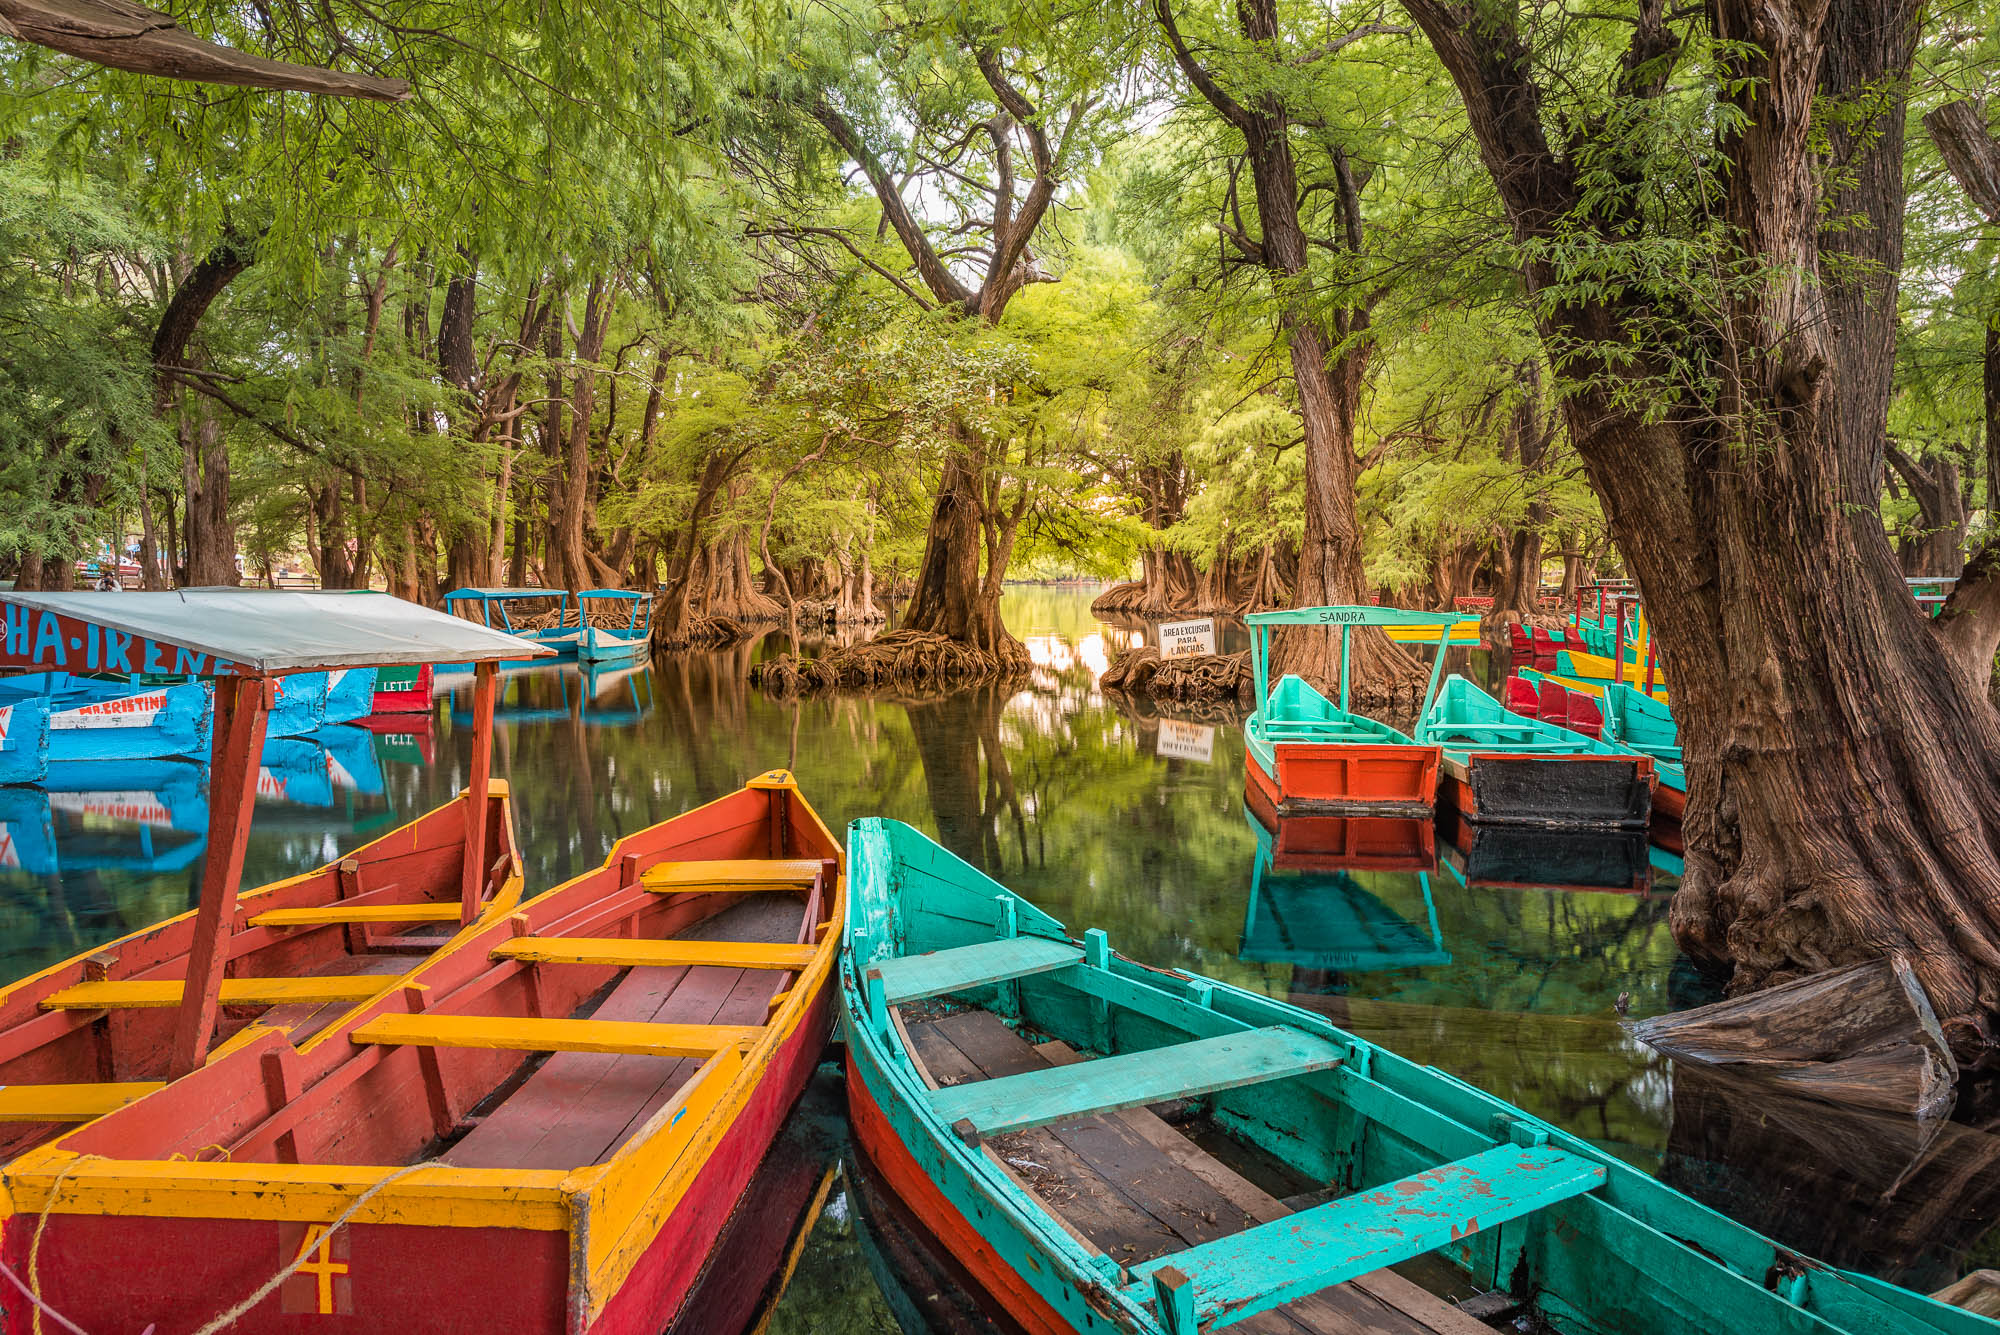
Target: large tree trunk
(211,537)
(951,599)
(1858,811)
(572,496)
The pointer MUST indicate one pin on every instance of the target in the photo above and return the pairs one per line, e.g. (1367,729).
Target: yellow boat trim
(611,1211)
(140,994)
(69,1103)
(764,874)
(519,1033)
(356,913)
(624,952)
(1599,668)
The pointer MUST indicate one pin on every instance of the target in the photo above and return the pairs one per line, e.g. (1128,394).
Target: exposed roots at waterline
(699,632)
(897,658)
(1197,679)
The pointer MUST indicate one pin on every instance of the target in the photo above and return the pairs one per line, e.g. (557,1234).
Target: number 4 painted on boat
(322,1283)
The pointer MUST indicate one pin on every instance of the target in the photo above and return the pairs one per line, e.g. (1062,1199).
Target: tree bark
(1844,784)
(572,494)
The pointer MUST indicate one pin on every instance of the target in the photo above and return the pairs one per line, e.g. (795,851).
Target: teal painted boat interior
(1297,712)
(1420,1163)
(1464,719)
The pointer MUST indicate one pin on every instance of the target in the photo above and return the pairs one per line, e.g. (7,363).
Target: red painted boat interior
(344,1103)
(420,863)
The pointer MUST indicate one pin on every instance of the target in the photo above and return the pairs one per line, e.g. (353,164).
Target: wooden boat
(1002,1080)
(1598,668)
(1456,631)
(24,740)
(542,1131)
(603,646)
(1499,767)
(1308,754)
(404,689)
(90,718)
(97,1031)
(480,605)
(1631,721)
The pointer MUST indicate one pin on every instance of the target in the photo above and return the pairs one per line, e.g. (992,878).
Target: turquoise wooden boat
(1304,753)
(602,647)
(482,605)
(1500,767)
(1002,1080)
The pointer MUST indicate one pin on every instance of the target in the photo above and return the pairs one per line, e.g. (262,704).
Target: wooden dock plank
(526,1034)
(914,977)
(1129,1080)
(141,994)
(624,952)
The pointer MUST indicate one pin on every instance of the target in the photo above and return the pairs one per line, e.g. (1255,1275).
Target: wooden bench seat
(1133,1079)
(138,994)
(680,878)
(356,913)
(523,1033)
(624,952)
(69,1103)
(914,977)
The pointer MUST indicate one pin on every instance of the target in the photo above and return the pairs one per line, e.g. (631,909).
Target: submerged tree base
(895,658)
(699,632)
(1196,679)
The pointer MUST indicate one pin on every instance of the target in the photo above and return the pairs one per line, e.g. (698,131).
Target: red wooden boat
(404,689)
(104,1028)
(421,1167)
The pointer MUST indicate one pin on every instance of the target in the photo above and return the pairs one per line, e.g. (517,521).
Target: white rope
(242,1309)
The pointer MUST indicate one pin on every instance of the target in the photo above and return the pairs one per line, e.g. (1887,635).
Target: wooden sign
(1185,741)
(33,639)
(1185,639)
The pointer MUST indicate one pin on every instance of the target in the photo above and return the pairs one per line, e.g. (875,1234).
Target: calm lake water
(1500,964)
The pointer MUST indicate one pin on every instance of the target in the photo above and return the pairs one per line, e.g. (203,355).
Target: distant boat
(1307,754)
(604,646)
(1080,1131)
(1501,767)
(403,690)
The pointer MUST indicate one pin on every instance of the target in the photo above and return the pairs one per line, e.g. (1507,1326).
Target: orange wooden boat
(95,1032)
(544,1130)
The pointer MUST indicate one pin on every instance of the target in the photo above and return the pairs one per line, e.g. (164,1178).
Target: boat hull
(602,647)
(1331,778)
(1551,792)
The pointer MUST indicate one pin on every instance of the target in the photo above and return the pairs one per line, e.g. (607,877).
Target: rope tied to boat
(271,1286)
(33,1287)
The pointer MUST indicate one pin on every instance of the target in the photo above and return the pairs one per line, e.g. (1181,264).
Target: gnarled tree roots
(1194,679)
(894,658)
(698,632)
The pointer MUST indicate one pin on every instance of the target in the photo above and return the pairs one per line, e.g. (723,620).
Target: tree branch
(1970,153)
(1968,625)
(1204,83)
(936,277)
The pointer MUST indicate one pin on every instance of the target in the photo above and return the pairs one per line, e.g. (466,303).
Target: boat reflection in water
(1308,909)
(1516,857)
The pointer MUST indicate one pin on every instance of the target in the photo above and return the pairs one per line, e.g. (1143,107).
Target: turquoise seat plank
(1183,1070)
(1238,1276)
(914,977)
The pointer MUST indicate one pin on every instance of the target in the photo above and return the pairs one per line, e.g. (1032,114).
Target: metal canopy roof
(237,632)
(498,594)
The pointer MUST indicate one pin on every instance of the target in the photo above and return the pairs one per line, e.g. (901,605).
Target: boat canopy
(237,633)
(1346,618)
(504,595)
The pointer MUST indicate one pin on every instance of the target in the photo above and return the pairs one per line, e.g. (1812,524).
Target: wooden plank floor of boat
(1132,1186)
(579,1107)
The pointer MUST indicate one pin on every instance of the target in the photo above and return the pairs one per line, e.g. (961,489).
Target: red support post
(485,690)
(1618,643)
(242,705)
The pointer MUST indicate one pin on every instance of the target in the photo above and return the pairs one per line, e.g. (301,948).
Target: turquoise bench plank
(1236,1277)
(914,977)
(1182,1070)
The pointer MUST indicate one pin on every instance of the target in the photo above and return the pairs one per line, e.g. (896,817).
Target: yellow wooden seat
(353,913)
(674,878)
(69,1103)
(620,952)
(526,1034)
(140,994)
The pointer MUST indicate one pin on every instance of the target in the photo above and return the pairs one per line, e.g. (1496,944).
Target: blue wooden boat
(1003,1080)
(1500,767)
(350,695)
(24,740)
(1324,920)
(605,646)
(1307,754)
(495,609)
